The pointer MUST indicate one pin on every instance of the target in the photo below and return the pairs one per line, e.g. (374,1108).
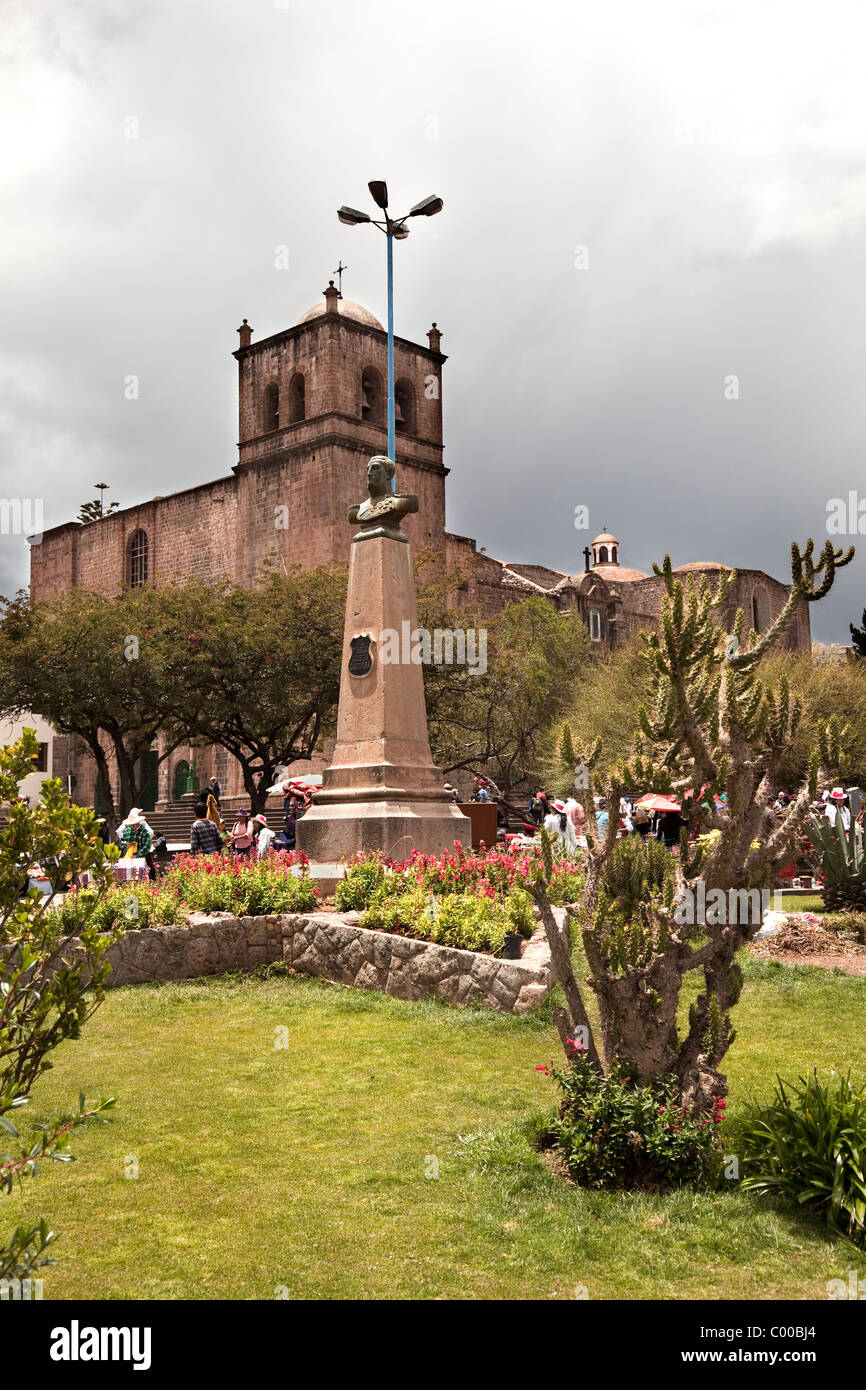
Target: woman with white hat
(836,807)
(264,835)
(559,826)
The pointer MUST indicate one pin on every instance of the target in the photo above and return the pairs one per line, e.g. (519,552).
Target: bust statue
(382,510)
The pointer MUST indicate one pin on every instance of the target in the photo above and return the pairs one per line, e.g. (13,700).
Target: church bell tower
(312,412)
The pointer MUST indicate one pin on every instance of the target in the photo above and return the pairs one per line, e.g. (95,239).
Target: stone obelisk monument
(382,790)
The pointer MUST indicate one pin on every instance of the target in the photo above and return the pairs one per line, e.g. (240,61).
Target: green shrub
(471,922)
(366,882)
(521,918)
(566,884)
(613,1133)
(808,1146)
(120,908)
(408,911)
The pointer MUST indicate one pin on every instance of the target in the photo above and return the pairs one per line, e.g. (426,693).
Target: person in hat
(836,806)
(242,835)
(560,828)
(137,839)
(264,836)
(452,792)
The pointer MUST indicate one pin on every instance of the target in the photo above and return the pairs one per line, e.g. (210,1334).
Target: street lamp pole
(391,420)
(395,229)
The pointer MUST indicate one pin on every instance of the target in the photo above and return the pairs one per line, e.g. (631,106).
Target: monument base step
(330,834)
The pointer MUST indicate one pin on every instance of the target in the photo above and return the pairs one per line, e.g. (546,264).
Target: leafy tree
(824,688)
(603,706)
(858,637)
(93,666)
(49,987)
(712,725)
(256,671)
(493,720)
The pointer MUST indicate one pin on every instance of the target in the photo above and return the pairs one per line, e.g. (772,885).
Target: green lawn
(305,1167)
(803,902)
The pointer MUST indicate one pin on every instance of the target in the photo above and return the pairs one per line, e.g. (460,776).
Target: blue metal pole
(391,428)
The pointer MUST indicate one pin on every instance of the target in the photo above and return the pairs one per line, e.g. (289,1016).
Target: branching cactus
(714,735)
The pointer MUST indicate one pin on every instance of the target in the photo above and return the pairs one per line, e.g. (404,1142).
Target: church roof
(698,565)
(619,573)
(605,539)
(348,308)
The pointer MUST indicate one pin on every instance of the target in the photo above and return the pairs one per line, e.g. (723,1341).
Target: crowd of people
(565,819)
(250,837)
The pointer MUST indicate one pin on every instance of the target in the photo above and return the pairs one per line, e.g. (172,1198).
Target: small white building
(11,730)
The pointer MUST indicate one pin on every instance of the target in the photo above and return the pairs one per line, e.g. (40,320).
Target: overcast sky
(642,201)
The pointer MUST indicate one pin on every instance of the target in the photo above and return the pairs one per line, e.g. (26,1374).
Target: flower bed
(245,887)
(202,883)
(467,900)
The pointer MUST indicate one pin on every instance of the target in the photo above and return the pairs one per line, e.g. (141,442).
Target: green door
(147,779)
(181,778)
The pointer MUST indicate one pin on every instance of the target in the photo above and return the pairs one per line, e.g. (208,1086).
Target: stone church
(311,412)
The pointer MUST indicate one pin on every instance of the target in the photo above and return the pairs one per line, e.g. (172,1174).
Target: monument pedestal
(382,791)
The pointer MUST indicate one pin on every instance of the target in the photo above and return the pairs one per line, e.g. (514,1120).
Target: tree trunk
(112,820)
(563,972)
(256,786)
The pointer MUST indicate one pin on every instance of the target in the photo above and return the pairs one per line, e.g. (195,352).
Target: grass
(308,1169)
(803,902)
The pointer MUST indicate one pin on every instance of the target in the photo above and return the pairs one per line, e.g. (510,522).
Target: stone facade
(333,947)
(311,412)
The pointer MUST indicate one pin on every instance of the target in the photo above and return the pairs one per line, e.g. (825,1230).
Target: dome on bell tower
(605,560)
(334,303)
(605,550)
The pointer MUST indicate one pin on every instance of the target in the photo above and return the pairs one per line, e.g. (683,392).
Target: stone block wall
(333,947)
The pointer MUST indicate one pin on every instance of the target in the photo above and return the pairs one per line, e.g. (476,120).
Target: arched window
(602,554)
(594,625)
(613,558)
(272,407)
(297,398)
(404,407)
(761,615)
(372,397)
(139,559)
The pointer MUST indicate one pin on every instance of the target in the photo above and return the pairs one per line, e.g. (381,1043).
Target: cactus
(839,858)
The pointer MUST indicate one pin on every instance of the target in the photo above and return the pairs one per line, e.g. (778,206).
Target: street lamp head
(351,217)
(400,232)
(428,207)
(379,192)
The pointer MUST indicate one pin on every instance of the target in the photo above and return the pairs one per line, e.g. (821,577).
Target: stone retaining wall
(330,946)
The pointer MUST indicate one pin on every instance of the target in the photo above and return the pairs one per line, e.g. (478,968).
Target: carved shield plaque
(361,660)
